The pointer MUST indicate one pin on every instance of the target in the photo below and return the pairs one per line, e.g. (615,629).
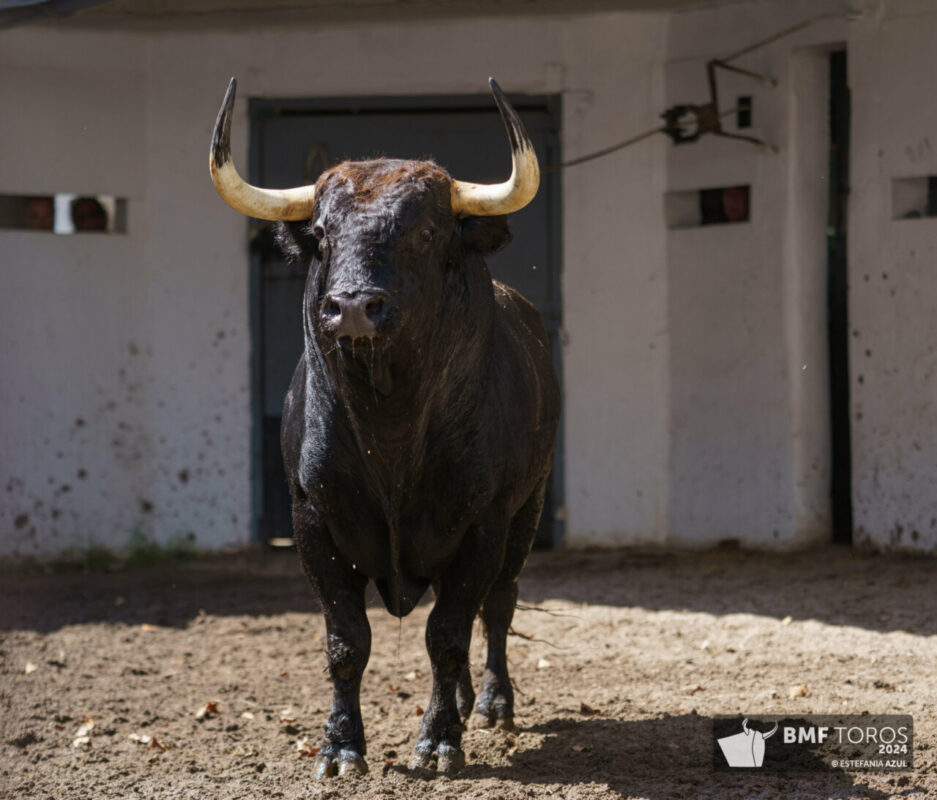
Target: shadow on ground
(171,595)
(833,585)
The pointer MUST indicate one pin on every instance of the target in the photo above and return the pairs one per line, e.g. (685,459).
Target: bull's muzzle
(356,315)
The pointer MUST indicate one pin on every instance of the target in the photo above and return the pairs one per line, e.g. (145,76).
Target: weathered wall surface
(750,434)
(893,301)
(76,429)
(614,291)
(695,366)
(750,450)
(125,358)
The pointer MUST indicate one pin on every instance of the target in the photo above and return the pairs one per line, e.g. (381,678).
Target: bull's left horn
(486,200)
(273,204)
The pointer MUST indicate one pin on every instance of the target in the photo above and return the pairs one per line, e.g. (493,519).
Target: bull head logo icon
(746,749)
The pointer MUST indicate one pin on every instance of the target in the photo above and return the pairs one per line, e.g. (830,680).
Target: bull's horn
(273,204)
(486,200)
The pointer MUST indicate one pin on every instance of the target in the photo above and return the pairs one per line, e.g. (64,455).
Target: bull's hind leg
(348,645)
(495,705)
(448,634)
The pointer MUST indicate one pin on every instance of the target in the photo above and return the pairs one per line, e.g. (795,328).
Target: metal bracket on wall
(685,123)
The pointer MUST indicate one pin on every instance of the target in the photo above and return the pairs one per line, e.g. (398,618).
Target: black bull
(417,433)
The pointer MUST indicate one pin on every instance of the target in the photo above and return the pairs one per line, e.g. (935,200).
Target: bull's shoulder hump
(514,303)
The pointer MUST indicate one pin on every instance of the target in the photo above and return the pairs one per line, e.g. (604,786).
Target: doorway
(838,300)
(292,142)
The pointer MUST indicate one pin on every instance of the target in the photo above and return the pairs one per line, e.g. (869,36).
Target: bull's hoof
(445,760)
(323,767)
(352,765)
(489,721)
(449,759)
(421,761)
(343,763)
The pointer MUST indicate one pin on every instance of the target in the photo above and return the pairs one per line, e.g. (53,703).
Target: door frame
(262,109)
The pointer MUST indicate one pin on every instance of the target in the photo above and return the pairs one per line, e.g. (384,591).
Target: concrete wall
(125,358)
(893,304)
(125,391)
(76,434)
(750,452)
(614,291)
(696,376)
(749,384)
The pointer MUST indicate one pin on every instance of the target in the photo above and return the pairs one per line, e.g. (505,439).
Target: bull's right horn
(287,205)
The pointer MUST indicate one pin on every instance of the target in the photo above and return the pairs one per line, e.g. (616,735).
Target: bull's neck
(398,397)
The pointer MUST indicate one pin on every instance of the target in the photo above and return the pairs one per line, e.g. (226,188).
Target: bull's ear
(295,241)
(487,235)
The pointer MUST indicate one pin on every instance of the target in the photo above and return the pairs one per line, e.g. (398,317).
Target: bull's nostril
(358,315)
(374,306)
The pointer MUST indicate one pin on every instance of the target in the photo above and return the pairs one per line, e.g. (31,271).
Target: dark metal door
(293,141)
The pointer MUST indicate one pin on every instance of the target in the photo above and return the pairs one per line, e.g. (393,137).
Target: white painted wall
(614,291)
(749,371)
(750,452)
(75,392)
(695,376)
(145,337)
(893,305)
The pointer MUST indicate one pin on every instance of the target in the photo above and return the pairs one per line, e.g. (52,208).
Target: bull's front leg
(448,636)
(348,645)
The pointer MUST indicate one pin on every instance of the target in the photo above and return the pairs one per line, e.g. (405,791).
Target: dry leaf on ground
(305,749)
(83,734)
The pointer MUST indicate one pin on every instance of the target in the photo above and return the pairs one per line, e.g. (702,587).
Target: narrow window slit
(64,213)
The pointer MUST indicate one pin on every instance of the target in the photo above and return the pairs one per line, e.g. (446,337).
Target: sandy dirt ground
(622,658)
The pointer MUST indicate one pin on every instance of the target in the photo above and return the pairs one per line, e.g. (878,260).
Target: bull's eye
(318,230)
(426,235)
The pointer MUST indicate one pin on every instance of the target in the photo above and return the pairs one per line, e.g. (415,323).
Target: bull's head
(385,231)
